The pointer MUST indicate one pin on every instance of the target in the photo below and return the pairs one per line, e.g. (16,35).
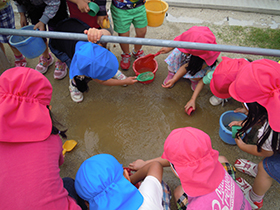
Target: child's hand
(165,50)
(83,5)
(136,165)
(94,34)
(40,25)
(23,20)
(100,20)
(238,123)
(241,110)
(130,80)
(168,84)
(191,103)
(239,142)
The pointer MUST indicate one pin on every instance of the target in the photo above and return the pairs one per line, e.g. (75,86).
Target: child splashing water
(190,63)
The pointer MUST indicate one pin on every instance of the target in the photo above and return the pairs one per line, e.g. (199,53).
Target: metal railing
(145,41)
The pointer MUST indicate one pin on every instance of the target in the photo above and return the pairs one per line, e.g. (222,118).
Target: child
(42,13)
(125,13)
(189,63)
(30,147)
(8,21)
(224,74)
(102,181)
(79,8)
(257,84)
(87,59)
(204,181)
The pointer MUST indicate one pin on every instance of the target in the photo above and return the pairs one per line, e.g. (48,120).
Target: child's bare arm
(191,102)
(165,50)
(238,123)
(151,169)
(136,165)
(116,82)
(180,73)
(252,149)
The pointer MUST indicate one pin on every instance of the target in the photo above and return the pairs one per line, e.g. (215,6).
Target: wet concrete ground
(133,122)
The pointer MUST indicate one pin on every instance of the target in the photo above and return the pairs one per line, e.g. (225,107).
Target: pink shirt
(29,177)
(226,196)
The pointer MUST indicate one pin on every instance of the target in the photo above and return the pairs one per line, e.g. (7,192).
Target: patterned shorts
(182,202)
(166,196)
(7,20)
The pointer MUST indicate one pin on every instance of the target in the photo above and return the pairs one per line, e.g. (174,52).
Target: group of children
(207,179)
(31,151)
(187,63)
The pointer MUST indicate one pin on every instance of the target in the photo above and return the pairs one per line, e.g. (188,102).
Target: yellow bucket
(155,10)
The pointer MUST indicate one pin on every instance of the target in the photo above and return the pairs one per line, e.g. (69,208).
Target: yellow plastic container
(155,10)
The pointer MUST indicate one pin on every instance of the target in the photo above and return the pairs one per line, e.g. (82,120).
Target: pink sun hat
(24,96)
(196,163)
(259,82)
(224,74)
(199,34)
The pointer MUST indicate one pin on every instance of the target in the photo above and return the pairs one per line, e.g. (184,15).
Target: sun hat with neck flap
(199,34)
(259,82)
(101,182)
(93,61)
(24,96)
(196,163)
(224,74)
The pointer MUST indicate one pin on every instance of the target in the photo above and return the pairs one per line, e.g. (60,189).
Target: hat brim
(217,93)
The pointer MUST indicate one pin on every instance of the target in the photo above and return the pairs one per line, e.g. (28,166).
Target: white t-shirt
(151,190)
(267,144)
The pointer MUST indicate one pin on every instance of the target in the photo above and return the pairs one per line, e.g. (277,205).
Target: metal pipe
(145,41)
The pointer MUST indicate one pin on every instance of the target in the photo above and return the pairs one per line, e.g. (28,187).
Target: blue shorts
(272,166)
(7,20)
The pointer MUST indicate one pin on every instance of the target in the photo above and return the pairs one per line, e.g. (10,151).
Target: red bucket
(140,65)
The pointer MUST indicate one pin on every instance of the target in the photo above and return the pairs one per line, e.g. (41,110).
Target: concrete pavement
(259,6)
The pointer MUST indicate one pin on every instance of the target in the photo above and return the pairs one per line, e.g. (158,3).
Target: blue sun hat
(93,61)
(100,181)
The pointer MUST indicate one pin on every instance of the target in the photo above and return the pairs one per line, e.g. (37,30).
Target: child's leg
(45,60)
(137,52)
(262,182)
(2,48)
(19,58)
(125,47)
(8,21)
(181,198)
(15,51)
(140,23)
(194,83)
(125,61)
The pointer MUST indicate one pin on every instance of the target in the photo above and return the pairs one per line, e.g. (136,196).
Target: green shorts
(182,202)
(123,18)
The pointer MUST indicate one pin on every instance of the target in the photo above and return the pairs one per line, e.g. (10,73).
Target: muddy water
(133,122)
